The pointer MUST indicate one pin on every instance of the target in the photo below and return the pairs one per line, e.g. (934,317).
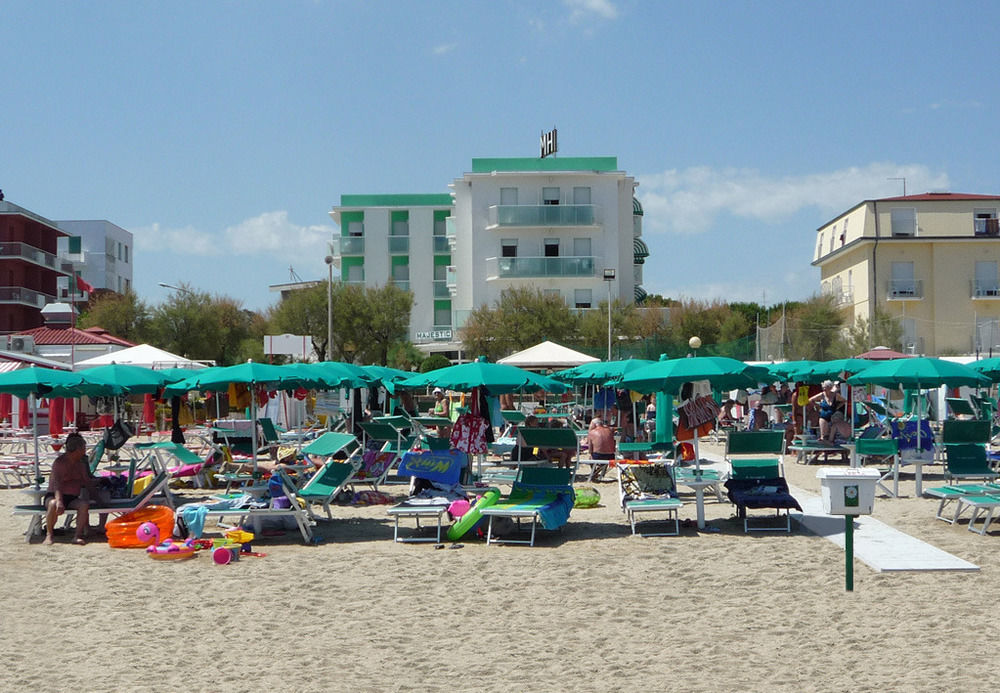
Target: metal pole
(849,552)
(609,321)
(329,308)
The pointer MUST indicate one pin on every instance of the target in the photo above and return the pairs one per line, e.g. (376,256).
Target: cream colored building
(929,260)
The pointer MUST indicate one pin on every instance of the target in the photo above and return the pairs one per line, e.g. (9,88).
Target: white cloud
(185,241)
(270,234)
(444,48)
(584,9)
(690,200)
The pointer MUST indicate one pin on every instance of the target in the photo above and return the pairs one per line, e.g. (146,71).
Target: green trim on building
(441,214)
(444,304)
(397,200)
(442,260)
(569,163)
(347,263)
(399,215)
(347,218)
(399,260)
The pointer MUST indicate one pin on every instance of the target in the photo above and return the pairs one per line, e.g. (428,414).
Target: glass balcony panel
(352,245)
(442,244)
(544,215)
(514,267)
(399,244)
(441,290)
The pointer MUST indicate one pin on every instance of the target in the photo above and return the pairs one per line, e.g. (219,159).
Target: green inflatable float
(469,519)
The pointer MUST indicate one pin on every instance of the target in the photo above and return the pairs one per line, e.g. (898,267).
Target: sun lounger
(443,467)
(543,495)
(757,480)
(967,461)
(980,498)
(882,449)
(325,485)
(648,488)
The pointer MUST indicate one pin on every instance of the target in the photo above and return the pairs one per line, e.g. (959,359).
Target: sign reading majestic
(549,143)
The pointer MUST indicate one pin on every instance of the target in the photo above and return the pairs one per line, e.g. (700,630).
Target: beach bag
(117,435)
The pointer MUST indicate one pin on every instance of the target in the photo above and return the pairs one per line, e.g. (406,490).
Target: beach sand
(590,608)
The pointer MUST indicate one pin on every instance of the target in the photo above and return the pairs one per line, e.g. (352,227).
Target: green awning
(640,250)
(640,294)
(636,207)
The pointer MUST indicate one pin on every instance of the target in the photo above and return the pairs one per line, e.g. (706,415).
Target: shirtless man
(69,479)
(601,443)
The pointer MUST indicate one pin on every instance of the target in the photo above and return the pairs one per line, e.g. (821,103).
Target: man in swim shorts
(70,486)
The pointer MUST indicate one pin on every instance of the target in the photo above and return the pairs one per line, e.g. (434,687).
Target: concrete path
(879,546)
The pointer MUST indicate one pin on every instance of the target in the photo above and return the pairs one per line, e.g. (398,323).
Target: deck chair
(648,488)
(967,461)
(157,487)
(882,449)
(559,438)
(757,481)
(188,466)
(542,494)
(959,406)
(325,485)
(982,499)
(442,467)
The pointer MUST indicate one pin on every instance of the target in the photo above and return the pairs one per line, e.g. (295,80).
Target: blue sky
(221,133)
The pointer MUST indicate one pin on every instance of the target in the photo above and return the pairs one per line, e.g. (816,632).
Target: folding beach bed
(756,478)
(441,466)
(648,488)
(543,495)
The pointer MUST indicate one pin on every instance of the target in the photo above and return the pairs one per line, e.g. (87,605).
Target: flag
(81,285)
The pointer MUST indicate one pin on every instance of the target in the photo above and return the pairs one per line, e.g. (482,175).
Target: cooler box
(849,491)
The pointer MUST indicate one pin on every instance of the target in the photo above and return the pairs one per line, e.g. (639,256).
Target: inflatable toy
(121,531)
(587,497)
(168,550)
(469,519)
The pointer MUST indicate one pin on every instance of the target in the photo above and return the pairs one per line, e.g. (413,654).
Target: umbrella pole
(34,430)
(253,426)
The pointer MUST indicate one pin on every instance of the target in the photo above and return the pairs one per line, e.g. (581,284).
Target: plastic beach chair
(543,495)
(647,488)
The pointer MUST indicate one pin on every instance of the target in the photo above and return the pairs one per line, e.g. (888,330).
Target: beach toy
(168,550)
(226,553)
(587,497)
(459,507)
(122,532)
(470,518)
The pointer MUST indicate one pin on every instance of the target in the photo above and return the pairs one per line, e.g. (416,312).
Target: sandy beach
(591,608)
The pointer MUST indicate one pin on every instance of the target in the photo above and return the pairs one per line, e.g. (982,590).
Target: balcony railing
(349,245)
(399,244)
(905,289)
(23,251)
(985,289)
(514,267)
(544,215)
(986,227)
(403,284)
(451,279)
(441,289)
(24,297)
(442,244)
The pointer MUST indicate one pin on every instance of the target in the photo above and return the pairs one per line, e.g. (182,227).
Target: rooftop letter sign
(549,143)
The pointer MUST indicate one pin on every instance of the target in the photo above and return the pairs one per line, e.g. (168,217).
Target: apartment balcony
(986,227)
(399,245)
(442,290)
(345,246)
(989,290)
(451,280)
(15,295)
(403,284)
(442,245)
(524,267)
(843,298)
(905,290)
(506,216)
(14,250)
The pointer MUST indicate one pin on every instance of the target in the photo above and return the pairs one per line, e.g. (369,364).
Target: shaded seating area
(543,495)
(648,488)
(756,477)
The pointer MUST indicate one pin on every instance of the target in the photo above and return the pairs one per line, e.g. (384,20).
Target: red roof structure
(939,197)
(45,336)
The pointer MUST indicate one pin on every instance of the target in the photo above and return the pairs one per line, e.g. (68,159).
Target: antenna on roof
(904,184)
(293,275)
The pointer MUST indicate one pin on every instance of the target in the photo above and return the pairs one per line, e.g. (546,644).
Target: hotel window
(581,196)
(903,221)
(442,316)
(551,247)
(819,245)
(401,273)
(582,298)
(356,273)
(440,227)
(550,196)
(843,234)
(508,196)
(833,234)
(986,223)
(440,273)
(126,253)
(986,278)
(903,283)
(400,227)
(508,247)
(119,251)
(356,228)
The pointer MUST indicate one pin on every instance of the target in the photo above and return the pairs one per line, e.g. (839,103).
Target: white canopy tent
(144,355)
(547,355)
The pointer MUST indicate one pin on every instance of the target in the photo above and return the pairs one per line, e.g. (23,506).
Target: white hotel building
(559,224)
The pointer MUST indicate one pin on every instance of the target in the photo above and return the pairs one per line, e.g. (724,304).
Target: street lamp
(329,307)
(609,276)
(176,288)
(695,344)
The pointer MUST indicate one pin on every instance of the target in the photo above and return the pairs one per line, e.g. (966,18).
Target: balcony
(441,289)
(348,245)
(399,245)
(24,297)
(403,284)
(987,227)
(905,290)
(23,251)
(442,245)
(523,267)
(503,216)
(451,280)
(985,289)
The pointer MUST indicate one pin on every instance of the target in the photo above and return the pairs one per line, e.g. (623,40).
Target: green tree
(405,356)
(594,325)
(522,317)
(123,315)
(198,326)
(882,330)
(304,312)
(384,321)
(433,362)
(815,330)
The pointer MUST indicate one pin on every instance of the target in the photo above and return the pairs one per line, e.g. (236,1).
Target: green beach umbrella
(494,378)
(118,379)
(669,375)
(989,367)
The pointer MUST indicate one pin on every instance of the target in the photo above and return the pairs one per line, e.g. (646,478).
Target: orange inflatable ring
(121,530)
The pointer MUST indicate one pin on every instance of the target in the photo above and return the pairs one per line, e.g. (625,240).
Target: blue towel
(555,514)
(194,517)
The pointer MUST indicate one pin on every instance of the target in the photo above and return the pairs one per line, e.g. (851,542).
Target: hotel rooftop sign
(549,143)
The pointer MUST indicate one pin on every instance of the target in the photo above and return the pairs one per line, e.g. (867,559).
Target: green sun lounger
(543,495)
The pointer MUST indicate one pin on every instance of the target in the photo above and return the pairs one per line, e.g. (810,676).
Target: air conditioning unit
(20,344)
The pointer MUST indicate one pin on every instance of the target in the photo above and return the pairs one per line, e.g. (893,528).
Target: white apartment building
(564,225)
(101,250)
